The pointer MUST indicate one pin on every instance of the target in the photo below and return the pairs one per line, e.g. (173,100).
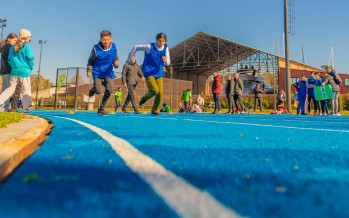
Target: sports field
(184,165)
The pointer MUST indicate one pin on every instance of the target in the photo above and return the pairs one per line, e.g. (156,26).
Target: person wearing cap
(103,57)
(5,71)
(21,60)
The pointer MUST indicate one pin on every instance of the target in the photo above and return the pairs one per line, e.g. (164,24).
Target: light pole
(3,24)
(37,85)
(287,58)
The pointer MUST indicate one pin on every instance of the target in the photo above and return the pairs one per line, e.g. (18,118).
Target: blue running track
(254,165)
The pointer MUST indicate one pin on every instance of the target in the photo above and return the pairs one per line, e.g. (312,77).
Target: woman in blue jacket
(156,56)
(21,60)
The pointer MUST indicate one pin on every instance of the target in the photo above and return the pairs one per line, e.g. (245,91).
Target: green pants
(155,87)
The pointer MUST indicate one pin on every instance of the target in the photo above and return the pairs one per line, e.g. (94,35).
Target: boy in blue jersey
(156,56)
(103,57)
(311,96)
(301,86)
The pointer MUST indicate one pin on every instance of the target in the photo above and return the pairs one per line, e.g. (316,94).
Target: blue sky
(72,27)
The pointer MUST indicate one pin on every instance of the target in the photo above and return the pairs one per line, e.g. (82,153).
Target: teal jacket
(22,63)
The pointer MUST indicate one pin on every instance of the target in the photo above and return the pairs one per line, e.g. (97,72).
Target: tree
(43,83)
(325,66)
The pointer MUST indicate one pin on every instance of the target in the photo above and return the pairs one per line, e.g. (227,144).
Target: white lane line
(185,199)
(253,124)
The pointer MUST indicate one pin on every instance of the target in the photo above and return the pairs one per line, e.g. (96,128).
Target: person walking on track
(130,73)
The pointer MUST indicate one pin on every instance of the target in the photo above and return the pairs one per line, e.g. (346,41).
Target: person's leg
(5,84)
(255,104)
(97,87)
(215,102)
(153,88)
(316,105)
(335,103)
(309,103)
(128,98)
(8,92)
(302,105)
(133,97)
(26,93)
(219,102)
(107,83)
(241,103)
(158,97)
(15,96)
(260,104)
(236,102)
(229,104)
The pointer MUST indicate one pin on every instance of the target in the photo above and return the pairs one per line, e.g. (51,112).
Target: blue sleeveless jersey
(103,66)
(153,65)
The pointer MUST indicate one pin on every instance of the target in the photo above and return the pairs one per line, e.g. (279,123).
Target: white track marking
(185,199)
(253,124)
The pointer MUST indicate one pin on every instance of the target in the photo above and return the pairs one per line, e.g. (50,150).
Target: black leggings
(259,100)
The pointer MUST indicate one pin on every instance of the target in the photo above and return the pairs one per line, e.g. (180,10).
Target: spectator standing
(229,92)
(238,90)
(216,91)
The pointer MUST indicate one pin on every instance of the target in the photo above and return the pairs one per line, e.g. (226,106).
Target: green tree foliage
(43,83)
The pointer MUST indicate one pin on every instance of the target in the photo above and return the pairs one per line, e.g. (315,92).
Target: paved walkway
(19,140)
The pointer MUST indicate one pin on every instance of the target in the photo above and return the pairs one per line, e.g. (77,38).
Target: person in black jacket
(229,92)
(257,91)
(130,73)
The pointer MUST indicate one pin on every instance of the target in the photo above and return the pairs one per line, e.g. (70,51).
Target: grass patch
(10,117)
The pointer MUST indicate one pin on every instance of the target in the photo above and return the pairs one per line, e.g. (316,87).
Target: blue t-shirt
(302,89)
(103,66)
(311,81)
(153,65)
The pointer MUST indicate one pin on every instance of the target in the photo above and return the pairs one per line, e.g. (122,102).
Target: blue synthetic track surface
(256,165)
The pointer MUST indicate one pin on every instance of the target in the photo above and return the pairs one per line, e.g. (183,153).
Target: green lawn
(10,117)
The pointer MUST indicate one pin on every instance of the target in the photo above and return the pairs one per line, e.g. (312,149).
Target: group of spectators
(305,93)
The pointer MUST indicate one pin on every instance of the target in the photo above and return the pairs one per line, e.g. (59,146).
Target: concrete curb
(15,151)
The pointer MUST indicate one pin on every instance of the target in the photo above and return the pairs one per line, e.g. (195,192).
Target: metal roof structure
(204,53)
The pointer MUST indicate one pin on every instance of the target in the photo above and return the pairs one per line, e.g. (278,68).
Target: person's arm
(124,72)
(325,81)
(30,57)
(139,72)
(167,61)
(91,62)
(136,48)
(338,78)
(241,85)
(116,61)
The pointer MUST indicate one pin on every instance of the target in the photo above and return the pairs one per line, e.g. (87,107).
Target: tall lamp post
(37,85)
(3,24)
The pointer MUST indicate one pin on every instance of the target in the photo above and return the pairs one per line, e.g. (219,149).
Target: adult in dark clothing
(5,71)
(238,90)
(216,91)
(331,77)
(130,73)
(258,90)
(311,96)
(229,92)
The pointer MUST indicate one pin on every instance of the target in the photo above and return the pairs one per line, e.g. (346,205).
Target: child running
(21,60)
(103,57)
(157,55)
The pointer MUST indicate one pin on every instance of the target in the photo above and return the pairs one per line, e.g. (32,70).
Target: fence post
(76,88)
(56,91)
